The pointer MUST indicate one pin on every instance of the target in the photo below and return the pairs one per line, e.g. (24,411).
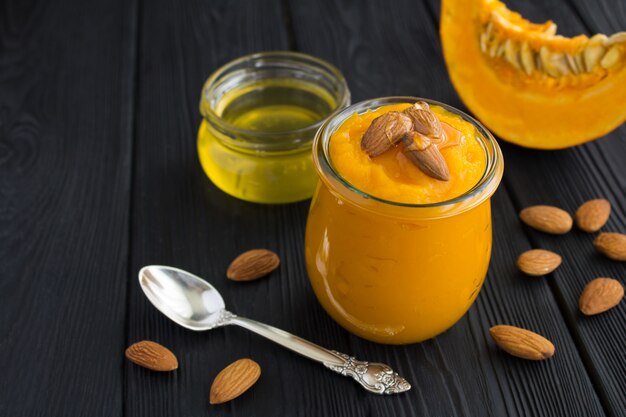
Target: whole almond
(537,262)
(600,295)
(151,355)
(592,215)
(253,264)
(384,132)
(547,219)
(424,120)
(612,245)
(521,342)
(426,156)
(234,380)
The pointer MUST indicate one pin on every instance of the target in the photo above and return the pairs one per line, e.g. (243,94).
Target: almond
(234,380)
(592,215)
(426,156)
(547,219)
(612,245)
(384,132)
(424,120)
(521,342)
(253,264)
(538,262)
(600,295)
(422,105)
(151,355)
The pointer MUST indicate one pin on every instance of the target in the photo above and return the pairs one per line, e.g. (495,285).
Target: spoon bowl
(184,298)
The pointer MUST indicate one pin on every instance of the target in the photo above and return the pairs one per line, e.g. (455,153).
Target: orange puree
(393,273)
(392,176)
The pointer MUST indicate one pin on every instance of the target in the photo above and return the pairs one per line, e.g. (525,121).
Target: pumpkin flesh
(529,85)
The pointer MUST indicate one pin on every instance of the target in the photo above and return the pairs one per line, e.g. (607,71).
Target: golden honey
(260,116)
(276,105)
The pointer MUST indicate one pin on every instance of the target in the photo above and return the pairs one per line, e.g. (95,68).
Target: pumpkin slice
(529,85)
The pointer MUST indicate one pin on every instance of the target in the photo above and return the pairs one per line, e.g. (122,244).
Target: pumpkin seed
(483,43)
(544,55)
(592,55)
(493,48)
(598,39)
(571,62)
(500,51)
(485,36)
(611,57)
(560,62)
(618,37)
(547,62)
(510,53)
(527,58)
(578,58)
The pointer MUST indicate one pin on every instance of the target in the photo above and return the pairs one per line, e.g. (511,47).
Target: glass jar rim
(209,113)
(487,184)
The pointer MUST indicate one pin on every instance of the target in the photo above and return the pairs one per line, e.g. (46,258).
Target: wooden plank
(181,219)
(395,50)
(595,170)
(568,178)
(602,16)
(66,83)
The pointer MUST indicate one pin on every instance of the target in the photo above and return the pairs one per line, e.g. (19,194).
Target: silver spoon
(193,303)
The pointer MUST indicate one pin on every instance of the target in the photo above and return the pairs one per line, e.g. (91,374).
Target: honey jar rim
(281,141)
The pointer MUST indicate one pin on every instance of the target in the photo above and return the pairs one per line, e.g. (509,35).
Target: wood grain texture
(181,219)
(509,387)
(574,176)
(602,16)
(568,178)
(66,82)
(95,149)
(382,50)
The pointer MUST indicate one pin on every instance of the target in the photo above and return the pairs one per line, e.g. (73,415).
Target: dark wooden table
(99,176)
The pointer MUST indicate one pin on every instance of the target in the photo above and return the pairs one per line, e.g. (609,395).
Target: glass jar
(392,272)
(260,114)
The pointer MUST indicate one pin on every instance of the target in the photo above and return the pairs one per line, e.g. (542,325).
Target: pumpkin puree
(392,176)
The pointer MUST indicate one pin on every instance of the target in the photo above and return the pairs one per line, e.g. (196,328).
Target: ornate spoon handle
(374,377)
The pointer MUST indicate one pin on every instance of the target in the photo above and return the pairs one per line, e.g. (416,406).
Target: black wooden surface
(66,111)
(99,176)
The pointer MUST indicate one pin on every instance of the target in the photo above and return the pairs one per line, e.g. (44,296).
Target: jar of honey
(394,255)
(260,114)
